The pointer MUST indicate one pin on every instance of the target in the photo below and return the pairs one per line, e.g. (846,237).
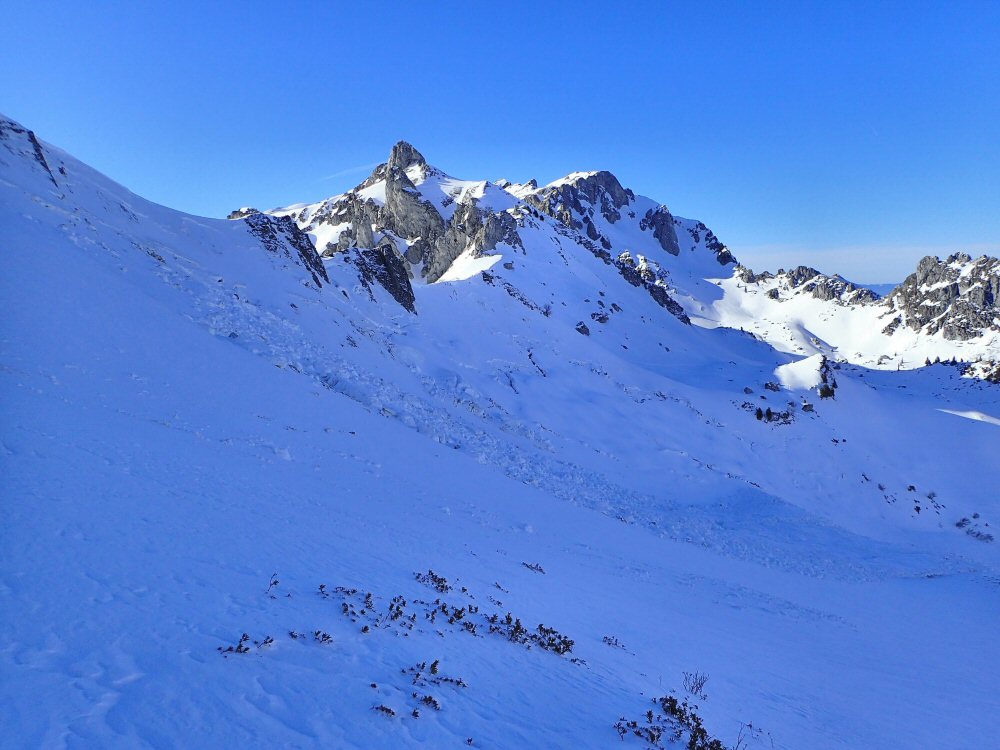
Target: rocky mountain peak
(404,156)
(574,199)
(592,185)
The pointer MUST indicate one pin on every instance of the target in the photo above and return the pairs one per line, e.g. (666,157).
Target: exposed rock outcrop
(712,243)
(580,195)
(426,238)
(421,221)
(661,222)
(281,235)
(406,212)
(806,280)
(10,130)
(242,213)
(650,276)
(956,297)
(473,228)
(383,266)
(403,156)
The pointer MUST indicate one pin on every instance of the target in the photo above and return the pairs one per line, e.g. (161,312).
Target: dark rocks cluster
(957,296)
(383,266)
(712,243)
(282,236)
(412,226)
(653,279)
(806,280)
(10,130)
(661,222)
(597,190)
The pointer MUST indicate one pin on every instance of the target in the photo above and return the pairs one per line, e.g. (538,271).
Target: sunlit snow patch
(468,265)
(977,416)
(801,375)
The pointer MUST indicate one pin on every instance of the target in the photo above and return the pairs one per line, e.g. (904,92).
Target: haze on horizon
(853,138)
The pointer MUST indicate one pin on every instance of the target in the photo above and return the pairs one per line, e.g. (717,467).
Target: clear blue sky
(853,137)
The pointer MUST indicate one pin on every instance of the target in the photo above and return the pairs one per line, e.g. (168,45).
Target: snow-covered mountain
(946,310)
(515,464)
(438,228)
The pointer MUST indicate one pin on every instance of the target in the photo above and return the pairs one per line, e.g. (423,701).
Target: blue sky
(855,137)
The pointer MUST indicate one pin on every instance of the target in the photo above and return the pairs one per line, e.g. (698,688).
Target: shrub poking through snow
(402,616)
(272,585)
(551,639)
(240,648)
(431,701)
(828,383)
(432,579)
(694,684)
(423,675)
(675,722)
(546,638)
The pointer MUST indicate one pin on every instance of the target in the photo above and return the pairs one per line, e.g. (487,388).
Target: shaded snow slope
(192,405)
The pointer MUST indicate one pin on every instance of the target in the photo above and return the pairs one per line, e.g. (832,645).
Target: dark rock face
(603,188)
(430,239)
(574,204)
(800,275)
(599,191)
(383,266)
(9,130)
(747,276)
(653,279)
(957,296)
(406,212)
(661,222)
(360,214)
(469,226)
(404,156)
(281,235)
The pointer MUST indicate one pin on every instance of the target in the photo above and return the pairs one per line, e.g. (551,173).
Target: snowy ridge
(947,310)
(805,312)
(491,404)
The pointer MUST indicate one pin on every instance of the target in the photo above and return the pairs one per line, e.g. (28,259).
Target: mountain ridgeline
(410,223)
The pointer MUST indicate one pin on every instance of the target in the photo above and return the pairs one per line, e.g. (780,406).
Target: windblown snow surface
(186,413)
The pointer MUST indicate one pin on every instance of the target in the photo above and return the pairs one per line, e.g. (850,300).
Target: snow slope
(190,407)
(851,327)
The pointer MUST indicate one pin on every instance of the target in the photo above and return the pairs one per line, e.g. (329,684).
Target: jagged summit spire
(404,156)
